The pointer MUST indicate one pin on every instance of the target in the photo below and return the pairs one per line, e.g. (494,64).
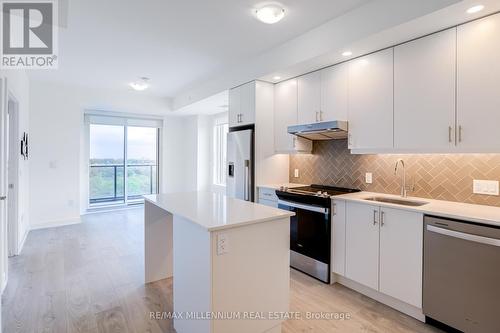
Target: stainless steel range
(310,228)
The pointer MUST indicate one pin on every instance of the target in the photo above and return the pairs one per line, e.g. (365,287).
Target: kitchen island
(229,259)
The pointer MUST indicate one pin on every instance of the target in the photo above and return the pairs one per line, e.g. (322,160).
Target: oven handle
(464,236)
(305,207)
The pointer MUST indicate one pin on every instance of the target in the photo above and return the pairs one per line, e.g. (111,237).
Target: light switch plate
(368,178)
(487,187)
(296,173)
(222,244)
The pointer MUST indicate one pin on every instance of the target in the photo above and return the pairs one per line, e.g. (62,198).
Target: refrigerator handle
(246,184)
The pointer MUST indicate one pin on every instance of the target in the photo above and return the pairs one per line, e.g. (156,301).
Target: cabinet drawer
(267,193)
(269,203)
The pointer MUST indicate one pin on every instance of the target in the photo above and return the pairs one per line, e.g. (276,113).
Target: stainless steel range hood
(328,130)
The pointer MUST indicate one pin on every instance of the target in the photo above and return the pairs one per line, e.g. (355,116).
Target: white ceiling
(178,44)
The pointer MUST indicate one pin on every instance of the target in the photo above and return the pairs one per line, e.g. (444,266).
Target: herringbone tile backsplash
(436,176)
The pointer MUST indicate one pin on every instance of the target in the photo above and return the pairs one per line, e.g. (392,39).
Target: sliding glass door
(107,164)
(123,160)
(142,162)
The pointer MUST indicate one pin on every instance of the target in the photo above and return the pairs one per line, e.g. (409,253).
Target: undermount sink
(403,202)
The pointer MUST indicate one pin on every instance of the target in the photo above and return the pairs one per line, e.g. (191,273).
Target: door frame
(3,188)
(13,239)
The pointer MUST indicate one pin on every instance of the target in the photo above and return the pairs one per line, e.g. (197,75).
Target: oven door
(309,239)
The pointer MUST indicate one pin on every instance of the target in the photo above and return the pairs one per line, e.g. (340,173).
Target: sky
(107,142)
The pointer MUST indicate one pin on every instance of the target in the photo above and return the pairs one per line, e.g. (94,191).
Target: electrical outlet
(368,178)
(222,244)
(296,173)
(488,187)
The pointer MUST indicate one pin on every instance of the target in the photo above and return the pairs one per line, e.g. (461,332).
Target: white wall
(56,123)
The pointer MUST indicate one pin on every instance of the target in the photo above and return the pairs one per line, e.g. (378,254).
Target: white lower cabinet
(384,250)
(267,196)
(362,239)
(338,237)
(401,246)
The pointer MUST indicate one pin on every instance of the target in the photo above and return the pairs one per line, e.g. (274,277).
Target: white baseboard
(23,240)
(401,306)
(54,224)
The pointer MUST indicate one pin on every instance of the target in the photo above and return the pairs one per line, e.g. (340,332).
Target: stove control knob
(319,193)
(325,193)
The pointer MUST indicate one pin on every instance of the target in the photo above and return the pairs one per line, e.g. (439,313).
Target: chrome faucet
(404,192)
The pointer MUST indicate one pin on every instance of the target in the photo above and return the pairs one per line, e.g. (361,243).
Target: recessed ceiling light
(346,53)
(141,84)
(475,9)
(276,78)
(270,14)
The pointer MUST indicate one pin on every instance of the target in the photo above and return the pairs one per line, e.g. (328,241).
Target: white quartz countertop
(455,210)
(215,211)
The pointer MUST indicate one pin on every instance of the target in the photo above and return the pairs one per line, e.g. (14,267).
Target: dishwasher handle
(464,236)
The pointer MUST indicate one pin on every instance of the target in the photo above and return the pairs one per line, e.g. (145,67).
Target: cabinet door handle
(294,139)
(334,209)
(382,217)
(449,133)
(320,115)
(316,115)
(460,133)
(375,212)
(350,139)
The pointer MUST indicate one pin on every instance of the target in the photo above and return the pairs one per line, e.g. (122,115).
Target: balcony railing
(107,182)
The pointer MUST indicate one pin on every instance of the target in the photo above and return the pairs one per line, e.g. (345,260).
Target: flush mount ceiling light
(346,53)
(475,9)
(140,85)
(270,14)
(276,78)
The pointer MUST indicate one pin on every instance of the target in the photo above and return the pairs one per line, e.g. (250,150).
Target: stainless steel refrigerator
(240,168)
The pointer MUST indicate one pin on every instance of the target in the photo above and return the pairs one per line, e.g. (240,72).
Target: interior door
(3,182)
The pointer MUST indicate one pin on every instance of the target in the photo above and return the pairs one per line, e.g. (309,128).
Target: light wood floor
(88,278)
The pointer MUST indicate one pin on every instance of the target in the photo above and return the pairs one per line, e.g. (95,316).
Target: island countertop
(215,211)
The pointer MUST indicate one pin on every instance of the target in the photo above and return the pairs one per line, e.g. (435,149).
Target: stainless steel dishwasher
(462,274)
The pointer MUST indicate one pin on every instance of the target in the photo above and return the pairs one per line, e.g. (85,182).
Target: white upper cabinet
(242,105)
(478,82)
(424,93)
(371,101)
(362,241)
(401,246)
(309,98)
(338,237)
(285,114)
(334,92)
(234,107)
